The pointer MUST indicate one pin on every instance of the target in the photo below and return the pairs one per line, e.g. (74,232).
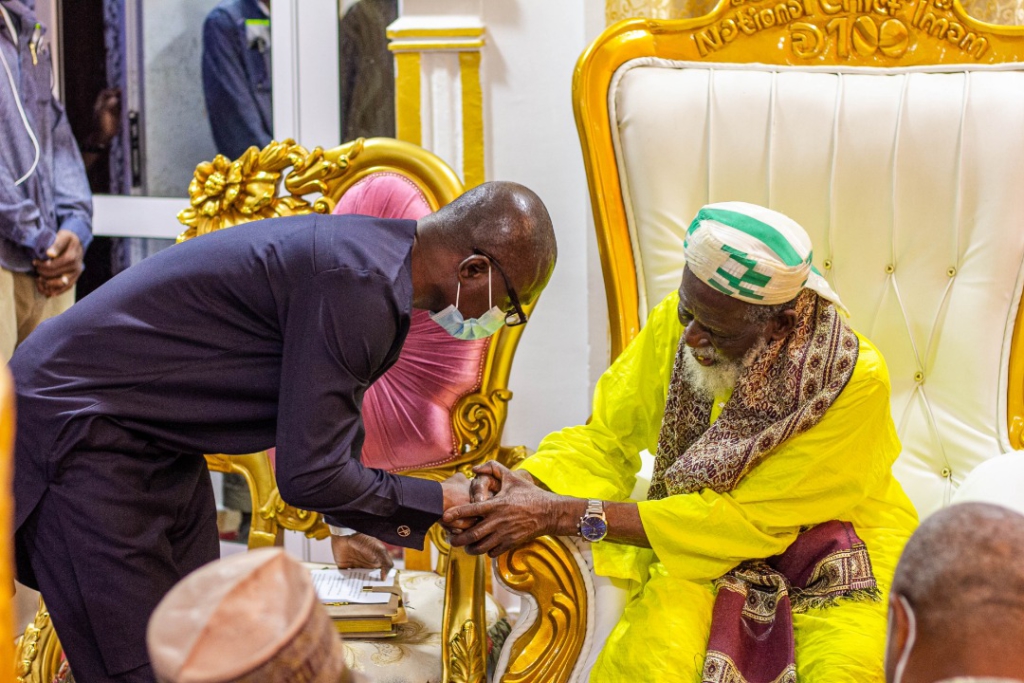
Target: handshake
(499,510)
(494,512)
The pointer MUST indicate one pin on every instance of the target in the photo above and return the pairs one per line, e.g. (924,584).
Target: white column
(438,98)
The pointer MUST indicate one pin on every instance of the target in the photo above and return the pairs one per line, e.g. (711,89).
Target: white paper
(352,585)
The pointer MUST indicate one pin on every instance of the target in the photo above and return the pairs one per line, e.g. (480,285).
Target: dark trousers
(111,536)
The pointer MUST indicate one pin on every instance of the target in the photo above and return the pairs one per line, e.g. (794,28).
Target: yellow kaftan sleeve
(601,459)
(815,477)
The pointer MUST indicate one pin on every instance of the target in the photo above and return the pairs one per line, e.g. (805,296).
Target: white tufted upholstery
(911,184)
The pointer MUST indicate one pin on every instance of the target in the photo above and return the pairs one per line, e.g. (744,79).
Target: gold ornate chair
(451,642)
(893,131)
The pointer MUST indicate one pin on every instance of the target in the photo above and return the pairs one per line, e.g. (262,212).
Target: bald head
(965,562)
(962,578)
(508,221)
(491,248)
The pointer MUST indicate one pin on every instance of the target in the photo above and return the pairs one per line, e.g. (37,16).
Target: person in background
(956,610)
(106,122)
(367,70)
(45,202)
(236,75)
(104,125)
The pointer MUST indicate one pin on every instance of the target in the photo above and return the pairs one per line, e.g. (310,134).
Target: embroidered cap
(247,618)
(753,254)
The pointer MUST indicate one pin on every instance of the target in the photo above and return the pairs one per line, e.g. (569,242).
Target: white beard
(711,381)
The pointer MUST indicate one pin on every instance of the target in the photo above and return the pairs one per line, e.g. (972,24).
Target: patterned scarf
(786,391)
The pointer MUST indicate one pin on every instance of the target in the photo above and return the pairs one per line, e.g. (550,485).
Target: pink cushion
(407,412)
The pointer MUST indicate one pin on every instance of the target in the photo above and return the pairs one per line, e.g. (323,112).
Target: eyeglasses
(517,316)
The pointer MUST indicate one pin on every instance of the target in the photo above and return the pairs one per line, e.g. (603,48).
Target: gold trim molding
(425,32)
(8,412)
(433,45)
(408,45)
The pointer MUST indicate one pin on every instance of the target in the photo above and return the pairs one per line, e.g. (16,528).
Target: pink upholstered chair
(408,411)
(407,414)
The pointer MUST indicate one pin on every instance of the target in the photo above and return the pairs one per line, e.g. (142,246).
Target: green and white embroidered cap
(753,254)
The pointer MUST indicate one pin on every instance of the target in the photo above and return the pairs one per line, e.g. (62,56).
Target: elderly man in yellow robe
(767,544)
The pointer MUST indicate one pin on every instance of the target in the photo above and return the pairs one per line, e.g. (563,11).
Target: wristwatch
(593,524)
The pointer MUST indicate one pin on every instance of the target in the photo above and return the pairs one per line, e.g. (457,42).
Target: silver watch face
(593,528)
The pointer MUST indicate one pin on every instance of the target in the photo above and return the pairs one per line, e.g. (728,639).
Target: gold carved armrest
(548,651)
(271,515)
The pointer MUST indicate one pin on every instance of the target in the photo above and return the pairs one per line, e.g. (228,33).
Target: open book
(361,602)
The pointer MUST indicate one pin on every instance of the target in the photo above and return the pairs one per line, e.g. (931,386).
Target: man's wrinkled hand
(60,270)
(360,551)
(519,512)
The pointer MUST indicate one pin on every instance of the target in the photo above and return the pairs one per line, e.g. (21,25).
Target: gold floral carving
(462,658)
(38,652)
(548,651)
(224,193)
(466,662)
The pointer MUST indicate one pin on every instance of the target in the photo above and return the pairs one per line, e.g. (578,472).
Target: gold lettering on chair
(938,21)
(854,32)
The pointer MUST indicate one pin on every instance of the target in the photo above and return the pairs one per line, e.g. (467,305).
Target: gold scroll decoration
(548,651)
(464,659)
(224,193)
(271,514)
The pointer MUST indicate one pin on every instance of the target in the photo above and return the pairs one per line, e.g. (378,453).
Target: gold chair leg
(464,629)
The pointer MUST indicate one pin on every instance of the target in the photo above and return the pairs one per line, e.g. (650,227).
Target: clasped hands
(494,512)
(503,510)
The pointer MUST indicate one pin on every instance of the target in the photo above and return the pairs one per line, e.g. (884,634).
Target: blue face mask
(473,328)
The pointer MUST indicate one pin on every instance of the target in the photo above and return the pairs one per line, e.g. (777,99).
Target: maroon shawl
(752,623)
